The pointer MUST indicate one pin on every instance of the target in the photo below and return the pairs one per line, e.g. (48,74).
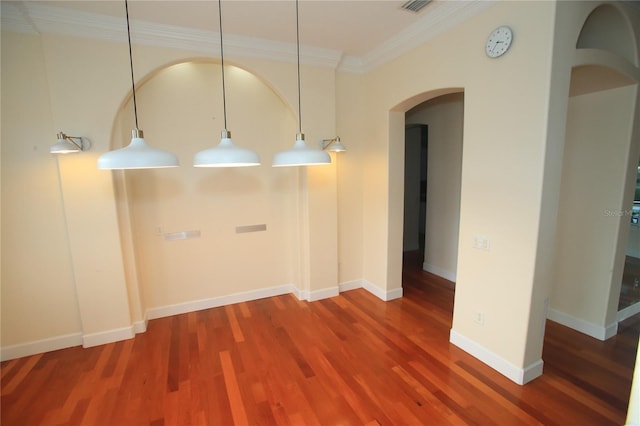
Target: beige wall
(38,295)
(351,102)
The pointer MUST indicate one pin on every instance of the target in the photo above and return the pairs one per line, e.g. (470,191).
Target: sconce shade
(67,144)
(226,154)
(300,155)
(137,155)
(335,145)
(63,146)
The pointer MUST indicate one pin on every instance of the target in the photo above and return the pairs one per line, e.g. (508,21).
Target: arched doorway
(438,209)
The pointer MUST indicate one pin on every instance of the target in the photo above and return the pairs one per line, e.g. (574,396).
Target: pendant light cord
(224,96)
(133,84)
(298,44)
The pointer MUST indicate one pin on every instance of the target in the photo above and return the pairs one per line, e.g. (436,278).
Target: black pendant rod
(224,96)
(133,84)
(298,44)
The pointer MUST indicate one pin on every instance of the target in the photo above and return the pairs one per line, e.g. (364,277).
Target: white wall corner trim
(448,275)
(140,326)
(215,302)
(381,293)
(596,331)
(108,336)
(324,293)
(350,285)
(40,346)
(312,296)
(517,374)
(628,312)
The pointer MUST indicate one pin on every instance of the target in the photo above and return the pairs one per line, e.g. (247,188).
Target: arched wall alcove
(608,28)
(598,173)
(180,109)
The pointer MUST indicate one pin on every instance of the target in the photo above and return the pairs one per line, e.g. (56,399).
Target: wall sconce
(67,144)
(333,145)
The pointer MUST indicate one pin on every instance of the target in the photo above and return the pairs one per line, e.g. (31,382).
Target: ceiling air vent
(415,5)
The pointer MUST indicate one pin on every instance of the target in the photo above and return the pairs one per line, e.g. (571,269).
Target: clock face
(498,42)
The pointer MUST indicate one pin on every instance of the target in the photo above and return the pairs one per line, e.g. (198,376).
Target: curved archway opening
(425,182)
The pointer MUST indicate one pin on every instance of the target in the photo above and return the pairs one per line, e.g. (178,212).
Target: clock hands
(495,45)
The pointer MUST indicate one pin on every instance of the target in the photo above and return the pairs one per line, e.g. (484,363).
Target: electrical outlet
(479,318)
(481,242)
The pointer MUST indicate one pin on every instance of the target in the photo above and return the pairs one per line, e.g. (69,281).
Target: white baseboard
(628,312)
(124,333)
(140,326)
(40,346)
(108,336)
(312,296)
(596,331)
(517,374)
(380,293)
(350,285)
(385,295)
(448,275)
(215,302)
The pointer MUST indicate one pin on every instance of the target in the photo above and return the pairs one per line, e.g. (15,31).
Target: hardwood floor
(351,359)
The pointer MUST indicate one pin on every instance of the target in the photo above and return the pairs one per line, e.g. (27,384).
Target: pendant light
(137,155)
(226,154)
(301,154)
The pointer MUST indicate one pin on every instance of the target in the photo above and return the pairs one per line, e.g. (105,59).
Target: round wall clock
(499,41)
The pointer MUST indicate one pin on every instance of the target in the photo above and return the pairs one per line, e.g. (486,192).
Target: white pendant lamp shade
(226,154)
(137,155)
(300,155)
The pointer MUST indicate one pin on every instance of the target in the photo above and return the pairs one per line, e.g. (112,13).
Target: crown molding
(40,18)
(442,16)
(15,19)
(44,19)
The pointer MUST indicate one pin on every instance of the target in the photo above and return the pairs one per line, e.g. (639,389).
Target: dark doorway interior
(415,187)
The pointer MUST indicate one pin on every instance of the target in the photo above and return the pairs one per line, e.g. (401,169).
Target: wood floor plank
(12,381)
(351,360)
(233,390)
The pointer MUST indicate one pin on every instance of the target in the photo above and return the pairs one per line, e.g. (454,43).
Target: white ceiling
(357,31)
